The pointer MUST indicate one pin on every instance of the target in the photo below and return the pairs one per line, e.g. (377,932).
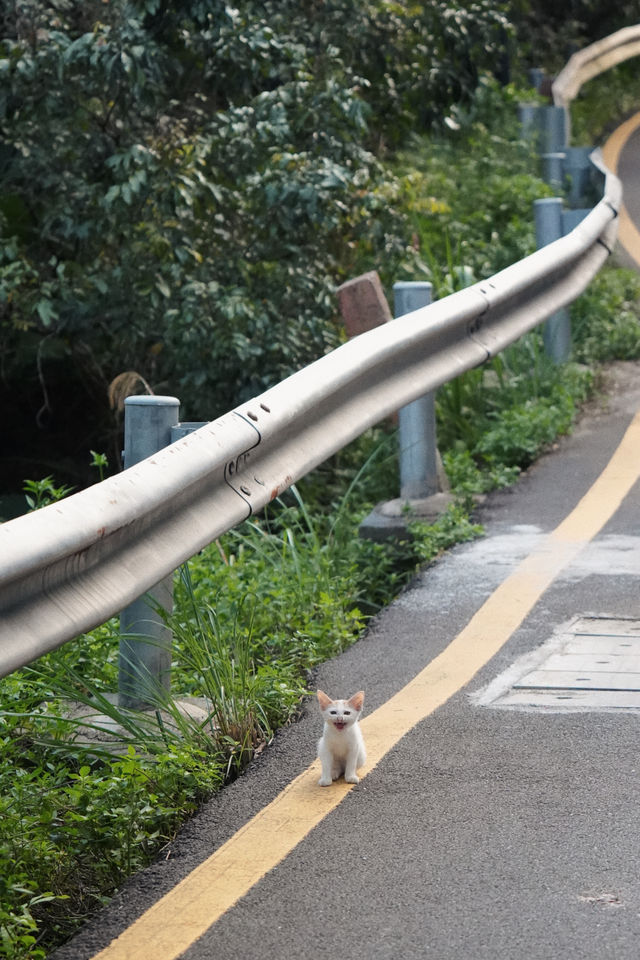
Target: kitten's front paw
(323,782)
(354,778)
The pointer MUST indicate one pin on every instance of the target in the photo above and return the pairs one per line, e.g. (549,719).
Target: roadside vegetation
(223,214)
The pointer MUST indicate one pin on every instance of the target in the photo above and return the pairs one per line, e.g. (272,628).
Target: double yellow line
(197,902)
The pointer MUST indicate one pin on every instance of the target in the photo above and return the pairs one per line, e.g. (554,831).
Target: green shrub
(469,195)
(606,318)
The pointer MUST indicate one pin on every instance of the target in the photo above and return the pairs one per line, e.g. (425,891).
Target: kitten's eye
(333,712)
(347,713)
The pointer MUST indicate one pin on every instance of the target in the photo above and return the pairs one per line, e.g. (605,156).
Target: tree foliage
(183,185)
(549,32)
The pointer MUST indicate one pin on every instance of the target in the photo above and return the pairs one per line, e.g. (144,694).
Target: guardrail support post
(554,131)
(424,489)
(578,169)
(557,328)
(545,126)
(416,421)
(145,643)
(553,169)
(528,114)
(537,76)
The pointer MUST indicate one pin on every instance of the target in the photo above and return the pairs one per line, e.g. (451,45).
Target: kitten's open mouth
(339,725)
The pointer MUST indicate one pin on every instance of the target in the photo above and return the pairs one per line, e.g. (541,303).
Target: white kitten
(341,747)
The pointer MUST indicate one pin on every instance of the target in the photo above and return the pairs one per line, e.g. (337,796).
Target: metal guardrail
(72,565)
(593,60)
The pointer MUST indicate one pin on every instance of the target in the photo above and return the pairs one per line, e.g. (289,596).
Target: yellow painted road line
(628,233)
(197,902)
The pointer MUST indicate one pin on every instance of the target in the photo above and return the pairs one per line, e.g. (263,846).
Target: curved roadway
(622,155)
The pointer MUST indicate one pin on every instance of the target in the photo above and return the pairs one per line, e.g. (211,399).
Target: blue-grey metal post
(529,116)
(536,77)
(416,421)
(145,641)
(549,227)
(553,169)
(554,132)
(577,168)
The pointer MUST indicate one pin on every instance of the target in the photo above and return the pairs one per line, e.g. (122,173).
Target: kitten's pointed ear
(357,700)
(323,699)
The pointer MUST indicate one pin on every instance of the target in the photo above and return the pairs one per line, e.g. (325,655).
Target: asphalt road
(628,173)
(483,831)
(620,153)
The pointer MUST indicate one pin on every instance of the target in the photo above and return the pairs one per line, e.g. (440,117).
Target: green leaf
(46,311)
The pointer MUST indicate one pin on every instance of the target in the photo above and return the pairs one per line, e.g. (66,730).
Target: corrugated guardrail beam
(594,59)
(72,565)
